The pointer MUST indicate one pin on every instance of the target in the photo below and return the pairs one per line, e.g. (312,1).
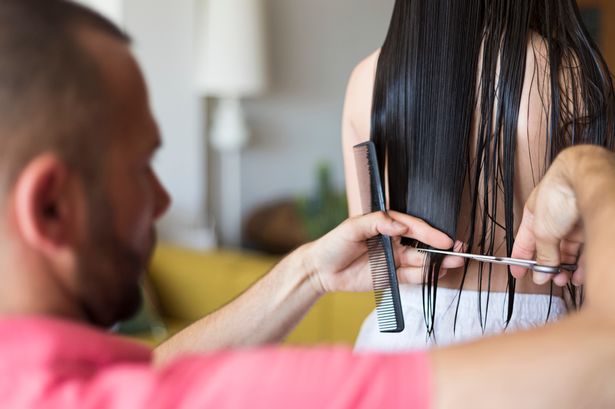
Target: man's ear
(45,204)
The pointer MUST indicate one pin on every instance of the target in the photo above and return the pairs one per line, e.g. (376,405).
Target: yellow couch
(190,284)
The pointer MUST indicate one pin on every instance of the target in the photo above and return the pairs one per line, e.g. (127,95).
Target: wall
(608,39)
(164,35)
(608,28)
(314,45)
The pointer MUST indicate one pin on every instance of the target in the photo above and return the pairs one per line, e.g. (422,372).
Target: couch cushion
(190,284)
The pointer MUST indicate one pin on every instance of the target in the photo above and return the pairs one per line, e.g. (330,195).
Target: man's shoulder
(42,340)
(48,362)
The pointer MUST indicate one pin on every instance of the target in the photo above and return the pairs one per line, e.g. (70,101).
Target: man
(77,203)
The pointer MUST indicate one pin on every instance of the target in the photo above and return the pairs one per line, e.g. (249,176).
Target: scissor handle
(539,268)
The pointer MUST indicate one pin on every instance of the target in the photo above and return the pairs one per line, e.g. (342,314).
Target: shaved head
(52,93)
(78,194)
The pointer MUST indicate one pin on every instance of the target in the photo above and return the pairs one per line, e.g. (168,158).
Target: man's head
(77,192)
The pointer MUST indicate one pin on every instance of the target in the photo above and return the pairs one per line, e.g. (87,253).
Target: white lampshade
(112,9)
(232,48)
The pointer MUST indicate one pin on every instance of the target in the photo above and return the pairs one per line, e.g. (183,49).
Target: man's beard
(110,287)
(109,270)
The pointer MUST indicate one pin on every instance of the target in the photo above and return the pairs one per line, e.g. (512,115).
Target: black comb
(379,248)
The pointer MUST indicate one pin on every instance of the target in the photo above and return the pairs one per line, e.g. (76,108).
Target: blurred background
(298,55)
(249,97)
(292,104)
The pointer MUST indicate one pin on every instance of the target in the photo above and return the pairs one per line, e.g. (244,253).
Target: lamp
(112,9)
(231,59)
(233,65)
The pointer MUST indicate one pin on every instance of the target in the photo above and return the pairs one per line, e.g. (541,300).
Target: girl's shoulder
(358,104)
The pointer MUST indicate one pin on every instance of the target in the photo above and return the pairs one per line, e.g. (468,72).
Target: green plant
(324,210)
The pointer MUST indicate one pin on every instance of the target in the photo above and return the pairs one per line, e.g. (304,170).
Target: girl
(467,103)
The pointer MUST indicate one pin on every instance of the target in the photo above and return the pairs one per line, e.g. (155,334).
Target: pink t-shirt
(47,363)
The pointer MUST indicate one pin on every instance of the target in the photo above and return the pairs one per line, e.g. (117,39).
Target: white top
(530,311)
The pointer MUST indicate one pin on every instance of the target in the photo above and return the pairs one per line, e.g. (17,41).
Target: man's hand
(551,230)
(339,261)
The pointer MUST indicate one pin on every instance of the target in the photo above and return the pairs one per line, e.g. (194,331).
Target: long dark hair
(449,69)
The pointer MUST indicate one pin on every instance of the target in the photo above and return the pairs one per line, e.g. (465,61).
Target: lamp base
(228,196)
(229,134)
(229,131)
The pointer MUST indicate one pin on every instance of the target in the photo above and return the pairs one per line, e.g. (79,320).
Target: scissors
(532,265)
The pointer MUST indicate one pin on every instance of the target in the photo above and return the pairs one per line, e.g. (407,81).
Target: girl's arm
(356,124)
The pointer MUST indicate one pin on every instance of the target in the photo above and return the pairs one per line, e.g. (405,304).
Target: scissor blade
(485,259)
(531,264)
(452,253)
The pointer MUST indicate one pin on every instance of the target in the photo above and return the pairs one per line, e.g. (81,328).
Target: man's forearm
(570,364)
(265,313)
(567,365)
(593,179)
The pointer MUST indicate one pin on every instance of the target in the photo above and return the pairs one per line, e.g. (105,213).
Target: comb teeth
(388,311)
(379,248)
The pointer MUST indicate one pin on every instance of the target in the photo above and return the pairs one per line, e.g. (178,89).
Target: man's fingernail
(518,272)
(560,281)
(541,278)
